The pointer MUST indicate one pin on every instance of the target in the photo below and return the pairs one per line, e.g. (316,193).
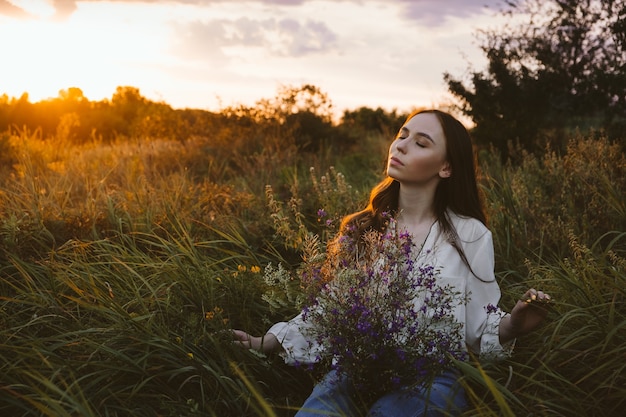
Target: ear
(445,171)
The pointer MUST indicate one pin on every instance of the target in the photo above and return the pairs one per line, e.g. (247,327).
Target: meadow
(124,264)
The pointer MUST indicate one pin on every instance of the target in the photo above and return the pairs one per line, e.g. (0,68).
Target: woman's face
(418,154)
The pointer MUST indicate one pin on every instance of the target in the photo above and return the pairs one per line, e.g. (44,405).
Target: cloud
(63,8)
(9,9)
(278,37)
(435,12)
(304,39)
(201,41)
(428,11)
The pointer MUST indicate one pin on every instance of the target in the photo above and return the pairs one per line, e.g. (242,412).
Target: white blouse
(480,322)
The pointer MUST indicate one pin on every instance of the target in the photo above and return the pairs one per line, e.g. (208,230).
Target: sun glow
(214,53)
(82,51)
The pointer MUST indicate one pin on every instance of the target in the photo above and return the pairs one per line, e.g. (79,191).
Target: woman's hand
(265,344)
(526,316)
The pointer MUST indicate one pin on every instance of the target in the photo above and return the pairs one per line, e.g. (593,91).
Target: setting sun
(91,53)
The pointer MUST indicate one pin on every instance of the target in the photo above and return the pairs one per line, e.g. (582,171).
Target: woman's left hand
(530,311)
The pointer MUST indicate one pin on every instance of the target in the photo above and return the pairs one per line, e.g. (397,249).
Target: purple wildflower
(371,320)
(491,308)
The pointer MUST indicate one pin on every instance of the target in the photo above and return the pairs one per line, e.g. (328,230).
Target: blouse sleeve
(483,315)
(298,344)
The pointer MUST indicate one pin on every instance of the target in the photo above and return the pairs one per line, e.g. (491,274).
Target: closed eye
(403,133)
(425,135)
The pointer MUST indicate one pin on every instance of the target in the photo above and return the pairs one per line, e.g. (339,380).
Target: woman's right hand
(265,344)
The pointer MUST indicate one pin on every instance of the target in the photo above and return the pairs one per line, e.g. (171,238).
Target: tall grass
(534,206)
(134,324)
(122,270)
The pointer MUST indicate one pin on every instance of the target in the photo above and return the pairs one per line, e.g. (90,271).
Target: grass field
(123,266)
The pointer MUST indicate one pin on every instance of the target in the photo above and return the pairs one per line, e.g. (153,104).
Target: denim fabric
(335,397)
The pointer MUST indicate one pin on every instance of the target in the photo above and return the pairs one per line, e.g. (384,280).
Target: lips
(395,161)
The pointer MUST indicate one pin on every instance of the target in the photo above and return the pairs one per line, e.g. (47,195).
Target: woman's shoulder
(469,229)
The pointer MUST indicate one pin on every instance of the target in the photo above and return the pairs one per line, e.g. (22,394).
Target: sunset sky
(208,54)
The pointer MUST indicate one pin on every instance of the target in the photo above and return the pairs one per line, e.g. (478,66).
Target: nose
(400,145)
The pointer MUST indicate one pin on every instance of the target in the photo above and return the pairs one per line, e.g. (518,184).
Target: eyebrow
(422,134)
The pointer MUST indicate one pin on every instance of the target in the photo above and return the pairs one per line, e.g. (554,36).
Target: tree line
(554,67)
(302,112)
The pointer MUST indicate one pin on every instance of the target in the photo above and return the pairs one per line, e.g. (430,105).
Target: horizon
(212,54)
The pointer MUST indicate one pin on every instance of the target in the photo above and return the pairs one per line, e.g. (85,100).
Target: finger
(542,297)
(529,296)
(246,344)
(241,336)
(533,295)
(542,302)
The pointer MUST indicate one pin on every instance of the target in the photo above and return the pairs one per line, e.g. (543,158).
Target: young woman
(431,190)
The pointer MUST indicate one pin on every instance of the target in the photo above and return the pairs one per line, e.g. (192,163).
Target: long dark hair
(458,193)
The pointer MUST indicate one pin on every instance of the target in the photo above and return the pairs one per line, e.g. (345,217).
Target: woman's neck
(416,215)
(416,208)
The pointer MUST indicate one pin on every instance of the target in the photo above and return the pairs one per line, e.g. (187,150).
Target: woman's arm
(526,316)
(266,344)
(290,339)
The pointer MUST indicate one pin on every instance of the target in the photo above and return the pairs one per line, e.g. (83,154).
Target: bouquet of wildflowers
(381,315)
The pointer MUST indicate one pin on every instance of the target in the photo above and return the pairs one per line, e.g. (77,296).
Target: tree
(554,66)
(72,94)
(303,114)
(364,121)
(128,102)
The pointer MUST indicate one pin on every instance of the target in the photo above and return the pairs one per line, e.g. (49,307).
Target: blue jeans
(336,397)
